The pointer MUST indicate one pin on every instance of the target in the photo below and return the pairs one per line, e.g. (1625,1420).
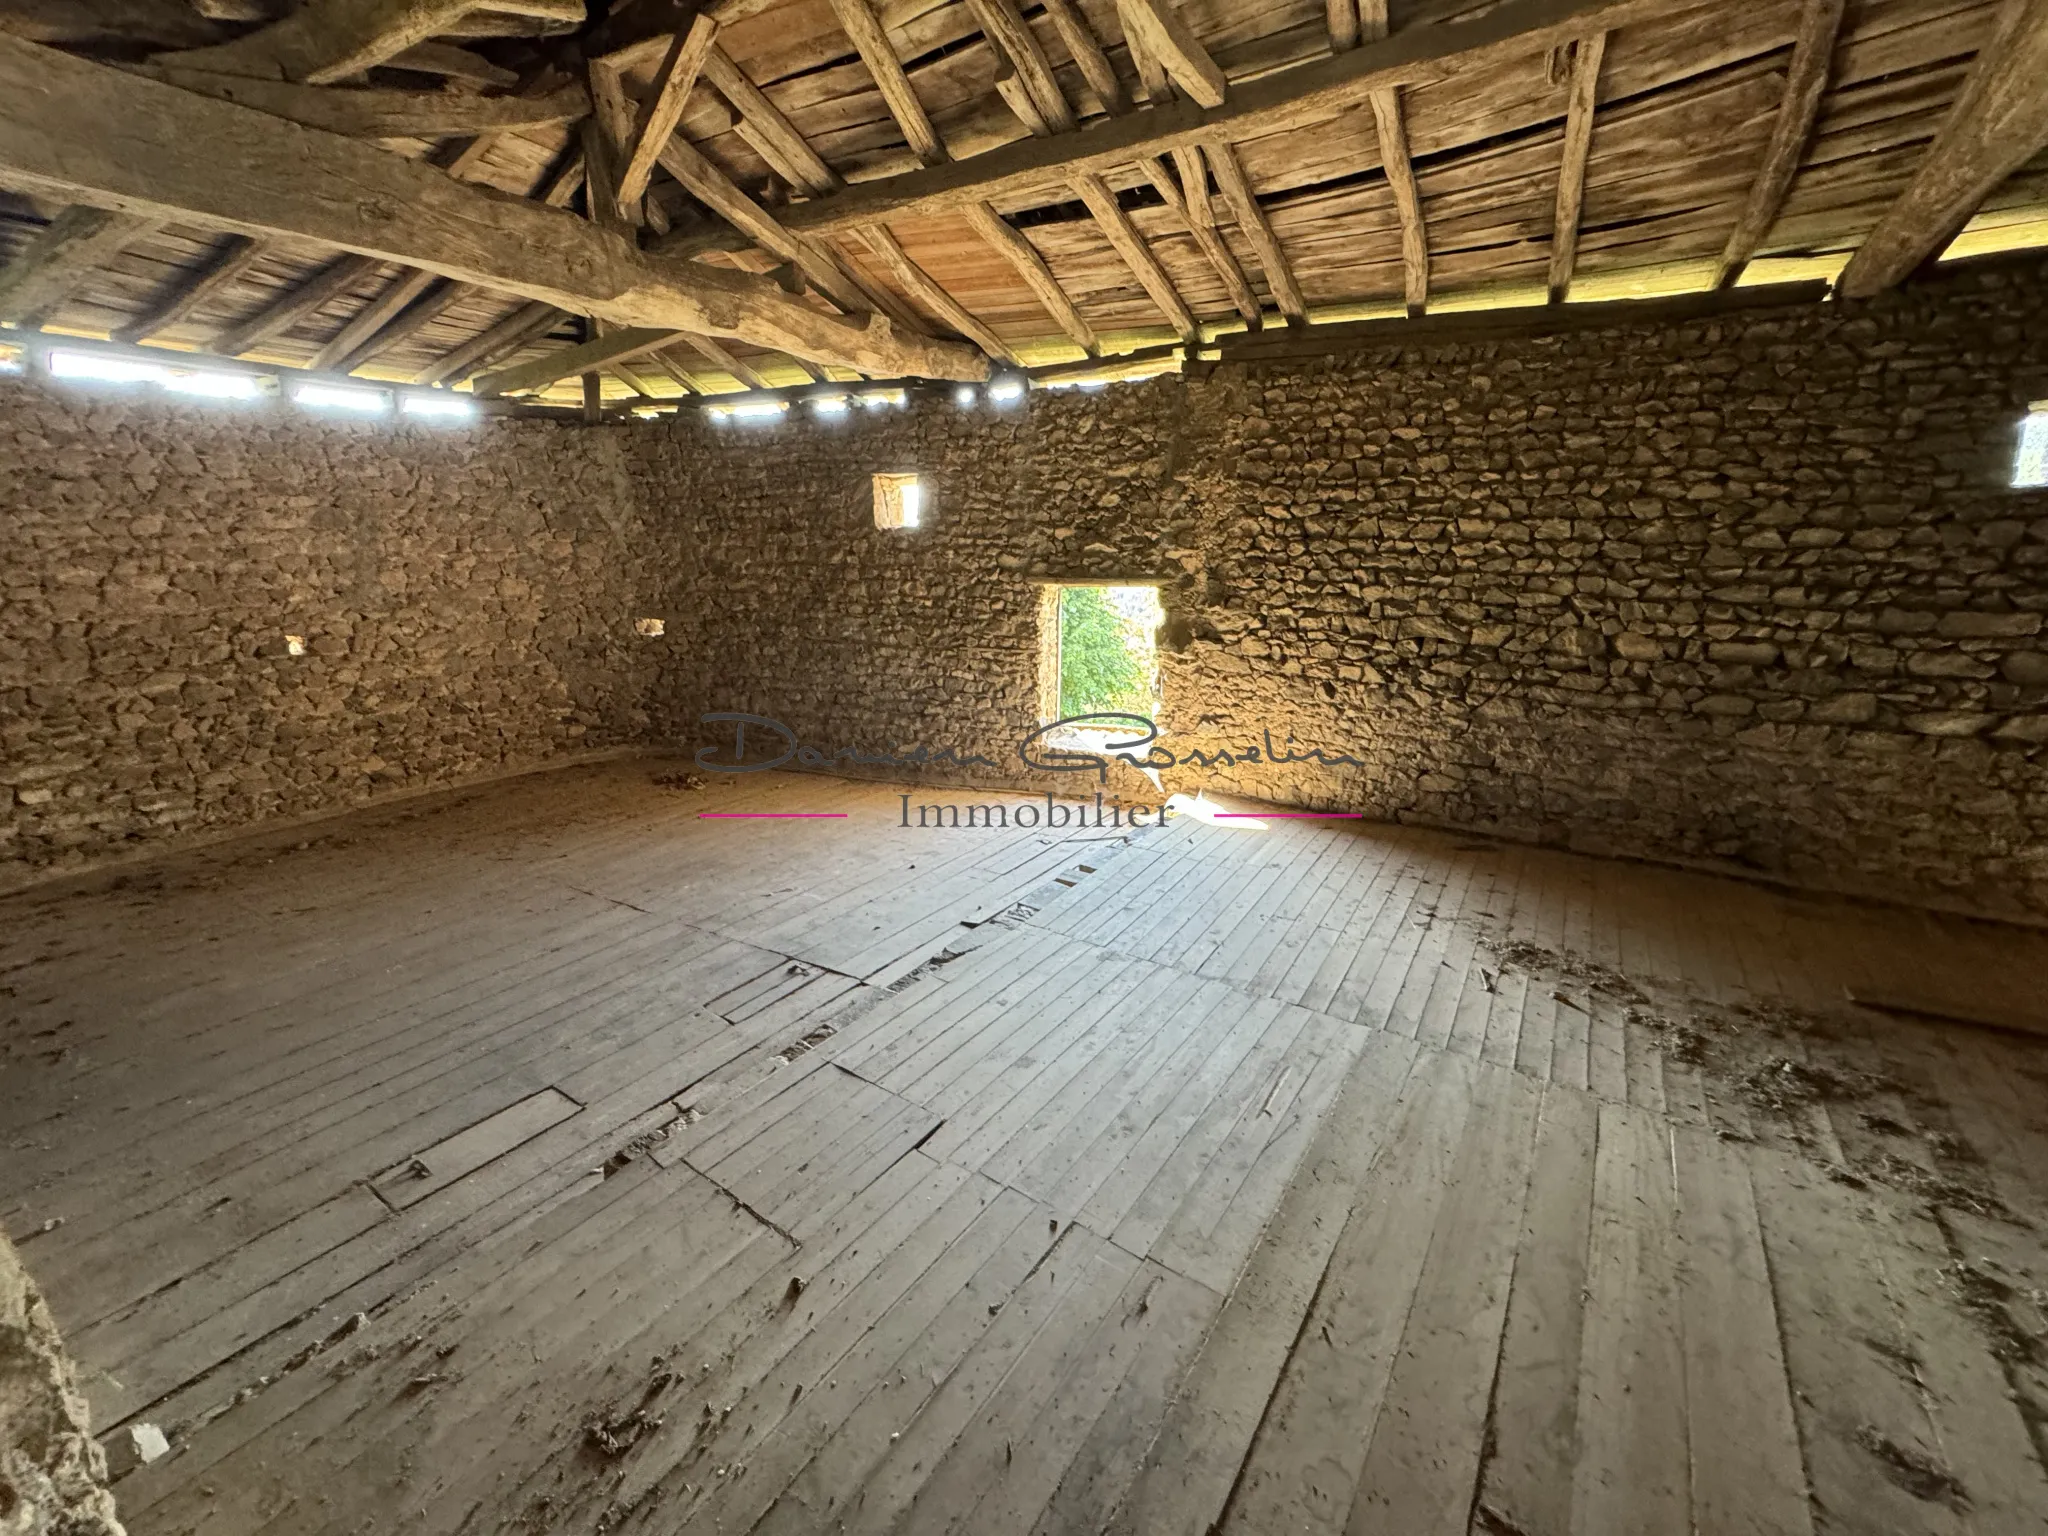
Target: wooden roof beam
(1003,24)
(404,327)
(453,63)
(1341,16)
(567,362)
(1998,123)
(492,20)
(294,305)
(773,136)
(520,326)
(1190,199)
(1024,259)
(1034,94)
(921,286)
(324,40)
(1130,245)
(1087,52)
(1400,169)
(718,357)
(631,380)
(233,259)
(669,366)
(1806,83)
(717,191)
(607,137)
(382,114)
(1251,218)
(663,109)
(857,19)
(89,133)
(1584,86)
(373,317)
(1170,40)
(67,251)
(1392,129)
(1017,97)
(1512,32)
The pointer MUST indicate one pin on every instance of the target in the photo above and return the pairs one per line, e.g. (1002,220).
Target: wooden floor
(551,1159)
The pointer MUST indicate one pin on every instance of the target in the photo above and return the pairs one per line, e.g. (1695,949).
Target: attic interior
(1140,766)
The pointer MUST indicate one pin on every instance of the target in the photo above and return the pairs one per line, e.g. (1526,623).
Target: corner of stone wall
(53,1475)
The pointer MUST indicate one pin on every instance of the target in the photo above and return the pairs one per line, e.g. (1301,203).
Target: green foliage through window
(1107,659)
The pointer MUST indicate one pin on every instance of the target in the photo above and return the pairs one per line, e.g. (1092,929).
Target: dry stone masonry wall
(465,595)
(1753,592)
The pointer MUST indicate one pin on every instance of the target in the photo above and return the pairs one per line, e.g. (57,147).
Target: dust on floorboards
(548,1158)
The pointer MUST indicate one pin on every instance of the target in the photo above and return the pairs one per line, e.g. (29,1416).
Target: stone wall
(466,595)
(1751,592)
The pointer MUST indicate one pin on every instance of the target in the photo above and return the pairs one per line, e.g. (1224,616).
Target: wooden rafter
(294,305)
(1167,37)
(772,134)
(520,326)
(1584,87)
(67,251)
(1190,199)
(401,319)
(1116,225)
(607,134)
(718,192)
(924,288)
(1251,218)
(1024,259)
(236,255)
(1002,22)
(1393,135)
(1012,176)
(326,40)
(663,108)
(857,19)
(71,129)
(560,186)
(788,153)
(632,380)
(718,357)
(1088,55)
(1806,82)
(1998,123)
(1011,88)
(453,63)
(684,380)
(383,114)
(567,362)
(1341,17)
(373,317)
(1153,85)
(404,326)
(1370,17)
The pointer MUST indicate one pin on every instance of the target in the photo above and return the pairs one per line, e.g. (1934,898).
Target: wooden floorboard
(551,1158)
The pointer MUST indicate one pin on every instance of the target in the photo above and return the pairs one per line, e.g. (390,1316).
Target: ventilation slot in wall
(899,501)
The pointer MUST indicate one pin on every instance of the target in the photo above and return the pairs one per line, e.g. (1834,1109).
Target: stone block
(1969,625)
(1948,722)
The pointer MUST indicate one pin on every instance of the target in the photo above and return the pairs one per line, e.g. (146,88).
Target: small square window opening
(899,501)
(2030,468)
(295,645)
(652,628)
